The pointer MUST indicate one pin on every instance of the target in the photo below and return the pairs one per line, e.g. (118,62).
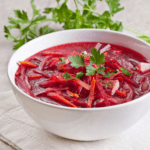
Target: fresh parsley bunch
(86,17)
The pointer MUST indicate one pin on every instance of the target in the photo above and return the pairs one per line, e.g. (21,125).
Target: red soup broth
(42,76)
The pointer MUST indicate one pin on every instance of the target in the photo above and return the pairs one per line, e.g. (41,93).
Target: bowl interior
(70,36)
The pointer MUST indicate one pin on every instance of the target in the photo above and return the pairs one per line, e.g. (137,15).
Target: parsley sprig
(28,27)
(95,58)
(86,17)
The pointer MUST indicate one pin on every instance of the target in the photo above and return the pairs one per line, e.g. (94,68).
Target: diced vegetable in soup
(86,74)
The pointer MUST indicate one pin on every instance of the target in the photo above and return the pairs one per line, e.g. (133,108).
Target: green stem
(90,9)
(134,31)
(80,3)
(76,4)
(33,33)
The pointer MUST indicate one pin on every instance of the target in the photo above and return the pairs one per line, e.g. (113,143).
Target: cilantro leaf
(76,61)
(66,75)
(125,71)
(90,70)
(109,73)
(79,75)
(62,60)
(96,57)
(101,70)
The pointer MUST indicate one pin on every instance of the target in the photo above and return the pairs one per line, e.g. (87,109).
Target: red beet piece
(23,86)
(83,84)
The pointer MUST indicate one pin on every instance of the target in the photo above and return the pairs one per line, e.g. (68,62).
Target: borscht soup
(84,75)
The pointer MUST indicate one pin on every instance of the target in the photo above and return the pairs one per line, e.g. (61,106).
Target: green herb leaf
(107,84)
(45,30)
(79,75)
(90,70)
(86,17)
(109,73)
(62,60)
(145,38)
(76,61)
(100,80)
(48,10)
(101,70)
(96,57)
(114,6)
(125,71)
(35,11)
(66,75)
(21,15)
(19,44)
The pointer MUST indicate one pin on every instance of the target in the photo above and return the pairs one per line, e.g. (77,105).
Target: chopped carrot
(91,96)
(106,54)
(34,77)
(61,99)
(83,84)
(28,64)
(121,93)
(73,94)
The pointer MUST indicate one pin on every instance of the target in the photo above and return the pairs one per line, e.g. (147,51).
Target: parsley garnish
(100,80)
(107,84)
(109,73)
(79,75)
(76,61)
(101,69)
(90,70)
(66,75)
(62,60)
(96,57)
(125,71)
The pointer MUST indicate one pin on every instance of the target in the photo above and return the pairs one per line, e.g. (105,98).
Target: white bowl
(84,124)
